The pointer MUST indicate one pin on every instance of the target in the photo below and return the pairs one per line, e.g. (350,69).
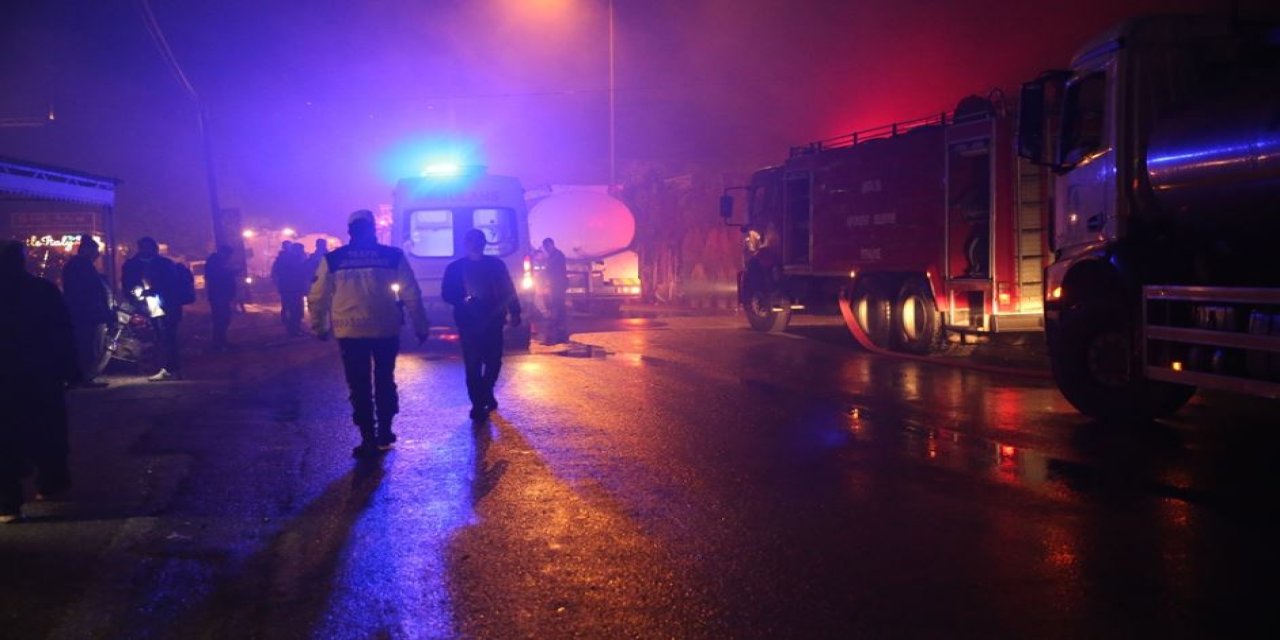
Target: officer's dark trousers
(374,398)
(482,357)
(33,436)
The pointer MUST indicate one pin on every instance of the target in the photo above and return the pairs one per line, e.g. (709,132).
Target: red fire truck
(923,232)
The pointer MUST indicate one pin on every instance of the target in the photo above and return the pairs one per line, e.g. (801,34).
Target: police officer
(357,296)
(482,294)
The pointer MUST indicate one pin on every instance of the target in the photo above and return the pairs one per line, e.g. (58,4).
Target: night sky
(317,108)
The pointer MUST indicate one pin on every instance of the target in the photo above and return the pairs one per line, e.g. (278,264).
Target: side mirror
(726,207)
(1036,109)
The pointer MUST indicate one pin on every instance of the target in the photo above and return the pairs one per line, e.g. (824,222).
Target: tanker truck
(1164,138)
(596,233)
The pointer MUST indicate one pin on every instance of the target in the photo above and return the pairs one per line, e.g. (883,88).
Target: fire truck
(926,232)
(1164,138)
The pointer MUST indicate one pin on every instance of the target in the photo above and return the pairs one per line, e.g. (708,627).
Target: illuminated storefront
(48,208)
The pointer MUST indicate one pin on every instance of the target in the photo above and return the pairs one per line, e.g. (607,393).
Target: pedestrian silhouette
(37,363)
(220,278)
(151,280)
(88,299)
(358,296)
(556,274)
(483,297)
(291,284)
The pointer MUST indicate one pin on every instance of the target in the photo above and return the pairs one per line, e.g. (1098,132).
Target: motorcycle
(131,339)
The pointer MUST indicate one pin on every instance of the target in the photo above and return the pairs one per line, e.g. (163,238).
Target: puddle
(577,350)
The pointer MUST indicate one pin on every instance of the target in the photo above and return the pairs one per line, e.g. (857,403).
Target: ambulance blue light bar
(442,169)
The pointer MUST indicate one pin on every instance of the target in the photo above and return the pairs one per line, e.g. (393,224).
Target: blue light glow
(442,169)
(439,155)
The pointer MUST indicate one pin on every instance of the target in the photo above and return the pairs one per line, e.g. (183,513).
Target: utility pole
(613,156)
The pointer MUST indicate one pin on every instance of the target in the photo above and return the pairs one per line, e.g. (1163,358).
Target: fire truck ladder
(1030,234)
(866,135)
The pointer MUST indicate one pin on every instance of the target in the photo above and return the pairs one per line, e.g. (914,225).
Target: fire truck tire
(915,318)
(873,311)
(1092,359)
(766,309)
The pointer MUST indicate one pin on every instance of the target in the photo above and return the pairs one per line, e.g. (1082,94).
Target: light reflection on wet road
(688,478)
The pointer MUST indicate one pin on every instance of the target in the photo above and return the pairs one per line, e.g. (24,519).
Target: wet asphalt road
(676,477)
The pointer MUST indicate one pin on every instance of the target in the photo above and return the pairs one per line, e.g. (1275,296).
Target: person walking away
(483,296)
(358,296)
(313,261)
(88,299)
(37,363)
(297,281)
(284,272)
(312,264)
(220,277)
(557,276)
(150,275)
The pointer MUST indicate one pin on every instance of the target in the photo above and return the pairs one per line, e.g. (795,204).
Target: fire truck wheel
(873,310)
(915,318)
(1093,362)
(767,309)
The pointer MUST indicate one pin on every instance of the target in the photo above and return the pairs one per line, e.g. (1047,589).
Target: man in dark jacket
(149,275)
(88,298)
(291,284)
(482,294)
(220,277)
(557,275)
(37,362)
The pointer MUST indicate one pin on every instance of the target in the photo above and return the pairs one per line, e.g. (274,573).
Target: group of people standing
(292,272)
(358,294)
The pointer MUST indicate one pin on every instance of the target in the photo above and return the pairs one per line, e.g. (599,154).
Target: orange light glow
(1056,293)
(1177,366)
(1007,451)
(1005,298)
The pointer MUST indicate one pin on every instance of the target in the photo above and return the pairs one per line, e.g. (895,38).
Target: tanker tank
(585,222)
(1221,157)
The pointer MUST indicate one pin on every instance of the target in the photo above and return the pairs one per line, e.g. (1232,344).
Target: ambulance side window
(499,227)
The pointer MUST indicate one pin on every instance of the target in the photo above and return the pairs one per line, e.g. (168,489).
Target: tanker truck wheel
(1094,363)
(873,311)
(915,318)
(767,309)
